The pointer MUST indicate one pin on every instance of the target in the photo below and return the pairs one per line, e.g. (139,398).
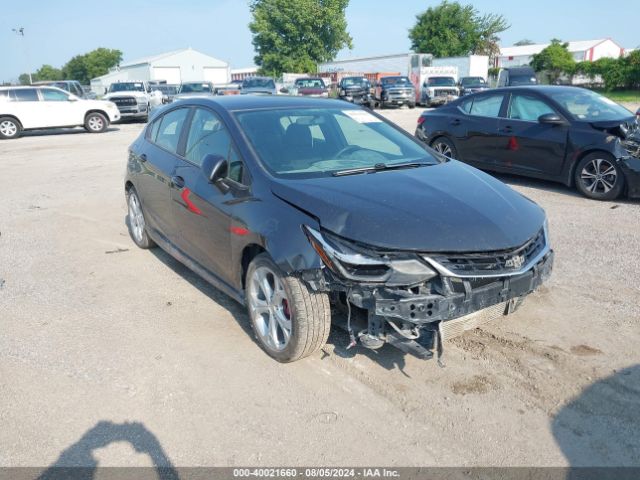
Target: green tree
(296,35)
(24,79)
(612,71)
(488,27)
(451,29)
(632,61)
(555,60)
(47,72)
(524,42)
(91,65)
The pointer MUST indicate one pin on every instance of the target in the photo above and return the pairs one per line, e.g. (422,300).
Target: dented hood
(449,207)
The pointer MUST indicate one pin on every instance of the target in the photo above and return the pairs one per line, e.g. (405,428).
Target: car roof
(23,87)
(544,89)
(47,82)
(519,69)
(255,102)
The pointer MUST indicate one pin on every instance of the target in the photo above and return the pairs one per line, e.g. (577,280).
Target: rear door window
(170,128)
(26,95)
(487,105)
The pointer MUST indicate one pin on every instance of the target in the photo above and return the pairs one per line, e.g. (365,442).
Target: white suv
(31,108)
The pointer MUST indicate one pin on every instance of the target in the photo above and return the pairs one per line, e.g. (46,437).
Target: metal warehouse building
(172,67)
(590,50)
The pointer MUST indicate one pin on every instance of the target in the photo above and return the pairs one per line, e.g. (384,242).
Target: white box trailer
(471,66)
(396,63)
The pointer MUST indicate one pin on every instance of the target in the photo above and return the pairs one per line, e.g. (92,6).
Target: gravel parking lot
(105,347)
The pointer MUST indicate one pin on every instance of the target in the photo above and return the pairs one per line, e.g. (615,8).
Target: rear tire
(136,221)
(9,128)
(444,146)
(290,321)
(599,177)
(95,122)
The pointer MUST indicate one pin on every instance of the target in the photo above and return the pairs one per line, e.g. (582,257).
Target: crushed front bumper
(417,322)
(460,297)
(631,168)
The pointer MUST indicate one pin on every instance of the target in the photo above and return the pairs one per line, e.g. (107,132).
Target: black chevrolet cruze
(295,205)
(565,134)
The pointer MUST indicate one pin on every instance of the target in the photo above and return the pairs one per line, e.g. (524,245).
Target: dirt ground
(115,355)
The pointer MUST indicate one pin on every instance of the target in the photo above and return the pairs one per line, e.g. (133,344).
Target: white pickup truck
(134,99)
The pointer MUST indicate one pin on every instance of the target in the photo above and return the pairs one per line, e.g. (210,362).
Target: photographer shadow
(79,463)
(597,431)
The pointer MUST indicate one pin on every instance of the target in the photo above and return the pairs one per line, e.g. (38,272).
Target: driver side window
(527,108)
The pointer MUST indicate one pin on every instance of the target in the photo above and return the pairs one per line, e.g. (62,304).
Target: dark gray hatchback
(302,207)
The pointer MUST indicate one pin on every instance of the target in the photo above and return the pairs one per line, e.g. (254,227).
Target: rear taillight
(421,120)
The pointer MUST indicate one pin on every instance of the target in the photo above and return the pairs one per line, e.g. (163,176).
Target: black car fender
(274,227)
(606,143)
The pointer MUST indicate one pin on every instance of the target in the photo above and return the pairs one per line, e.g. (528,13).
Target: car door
(526,145)
(59,109)
(27,107)
(203,211)
(157,159)
(477,132)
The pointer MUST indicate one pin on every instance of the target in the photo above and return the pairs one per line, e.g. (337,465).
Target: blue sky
(56,31)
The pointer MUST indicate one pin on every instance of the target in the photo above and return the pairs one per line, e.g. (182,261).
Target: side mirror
(214,167)
(551,119)
(73,98)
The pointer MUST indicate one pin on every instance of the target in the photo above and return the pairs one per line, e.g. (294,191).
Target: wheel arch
(571,181)
(8,115)
(249,252)
(97,110)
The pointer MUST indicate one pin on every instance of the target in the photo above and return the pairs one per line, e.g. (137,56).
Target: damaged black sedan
(302,207)
(564,134)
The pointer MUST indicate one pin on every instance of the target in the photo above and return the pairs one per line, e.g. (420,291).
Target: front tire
(136,221)
(95,122)
(599,177)
(445,147)
(289,320)
(9,128)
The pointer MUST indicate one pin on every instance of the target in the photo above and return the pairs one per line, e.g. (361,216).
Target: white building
(185,65)
(590,50)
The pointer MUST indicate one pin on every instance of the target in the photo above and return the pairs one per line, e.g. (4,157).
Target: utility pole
(20,31)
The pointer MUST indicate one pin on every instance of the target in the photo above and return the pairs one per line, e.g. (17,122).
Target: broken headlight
(358,263)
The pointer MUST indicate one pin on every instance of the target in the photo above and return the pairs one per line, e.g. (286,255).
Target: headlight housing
(352,262)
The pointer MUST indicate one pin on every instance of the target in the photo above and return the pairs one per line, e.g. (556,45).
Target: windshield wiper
(379,167)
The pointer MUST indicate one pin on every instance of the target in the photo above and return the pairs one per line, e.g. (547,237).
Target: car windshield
(589,106)
(127,87)
(400,81)
(319,142)
(258,83)
(168,89)
(468,81)
(195,88)
(354,81)
(517,80)
(309,83)
(442,81)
